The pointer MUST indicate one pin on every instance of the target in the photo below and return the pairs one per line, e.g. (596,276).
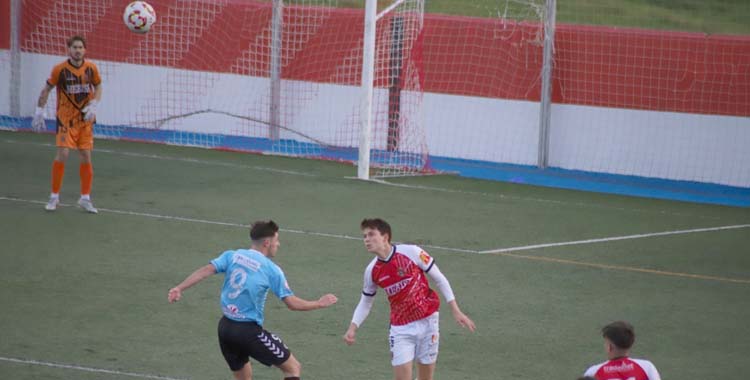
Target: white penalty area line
(538,200)
(86,369)
(500,252)
(613,238)
(178,159)
(622,268)
(382,182)
(185,219)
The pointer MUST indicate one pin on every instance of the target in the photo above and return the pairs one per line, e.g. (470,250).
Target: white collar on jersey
(390,256)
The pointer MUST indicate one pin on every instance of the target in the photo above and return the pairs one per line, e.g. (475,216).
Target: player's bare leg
(85,155)
(244,373)
(62,154)
(87,175)
(291,368)
(425,371)
(403,371)
(58,171)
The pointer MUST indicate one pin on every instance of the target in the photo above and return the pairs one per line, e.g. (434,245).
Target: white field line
(500,251)
(541,200)
(185,219)
(384,182)
(86,369)
(613,238)
(179,159)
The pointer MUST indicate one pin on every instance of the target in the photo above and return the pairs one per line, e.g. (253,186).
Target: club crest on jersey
(424,257)
(401,272)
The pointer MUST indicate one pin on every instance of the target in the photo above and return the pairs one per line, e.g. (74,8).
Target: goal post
(368,69)
(392,131)
(279,77)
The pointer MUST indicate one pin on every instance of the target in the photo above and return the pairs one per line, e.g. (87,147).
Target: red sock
(87,176)
(58,171)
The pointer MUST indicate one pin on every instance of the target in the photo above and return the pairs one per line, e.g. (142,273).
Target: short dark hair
(620,333)
(377,224)
(76,38)
(263,229)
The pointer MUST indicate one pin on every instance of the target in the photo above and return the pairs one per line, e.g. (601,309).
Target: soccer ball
(139,16)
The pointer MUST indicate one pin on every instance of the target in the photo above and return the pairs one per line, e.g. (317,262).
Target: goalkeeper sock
(58,171)
(87,176)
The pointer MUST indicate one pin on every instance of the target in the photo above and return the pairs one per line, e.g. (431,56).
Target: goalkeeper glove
(37,123)
(89,112)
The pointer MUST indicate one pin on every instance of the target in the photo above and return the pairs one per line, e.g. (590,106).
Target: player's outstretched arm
(350,337)
(445,288)
(360,314)
(42,101)
(460,317)
(298,304)
(176,293)
(89,112)
(38,122)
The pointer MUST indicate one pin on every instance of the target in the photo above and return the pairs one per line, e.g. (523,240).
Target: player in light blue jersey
(249,275)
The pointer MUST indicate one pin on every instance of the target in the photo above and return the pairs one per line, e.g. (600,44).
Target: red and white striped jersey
(624,368)
(402,276)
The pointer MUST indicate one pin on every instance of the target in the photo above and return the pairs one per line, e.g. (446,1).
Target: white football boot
(52,204)
(87,205)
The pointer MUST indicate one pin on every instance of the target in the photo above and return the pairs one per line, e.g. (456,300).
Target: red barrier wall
(4,24)
(652,70)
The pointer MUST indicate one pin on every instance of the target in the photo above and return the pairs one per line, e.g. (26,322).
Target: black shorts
(238,340)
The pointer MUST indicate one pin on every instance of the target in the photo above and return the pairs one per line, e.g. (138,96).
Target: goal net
(279,77)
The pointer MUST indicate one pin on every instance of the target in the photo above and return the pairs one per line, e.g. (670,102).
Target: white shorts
(419,339)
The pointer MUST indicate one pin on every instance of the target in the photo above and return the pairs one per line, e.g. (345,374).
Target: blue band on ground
(687,191)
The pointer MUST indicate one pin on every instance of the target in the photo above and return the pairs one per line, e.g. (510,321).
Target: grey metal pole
(275,106)
(545,110)
(15,58)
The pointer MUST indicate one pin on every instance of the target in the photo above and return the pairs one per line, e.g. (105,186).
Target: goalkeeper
(78,93)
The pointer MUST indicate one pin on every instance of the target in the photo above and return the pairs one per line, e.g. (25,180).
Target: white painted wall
(473,128)
(703,148)
(5,80)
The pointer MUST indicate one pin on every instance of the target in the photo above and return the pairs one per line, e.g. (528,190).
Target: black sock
(292,378)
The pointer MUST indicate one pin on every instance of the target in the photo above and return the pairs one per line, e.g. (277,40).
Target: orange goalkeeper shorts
(75,134)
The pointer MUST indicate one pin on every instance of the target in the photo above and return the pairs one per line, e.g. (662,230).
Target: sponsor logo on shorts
(271,344)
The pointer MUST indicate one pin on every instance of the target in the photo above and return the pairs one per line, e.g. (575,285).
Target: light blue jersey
(249,275)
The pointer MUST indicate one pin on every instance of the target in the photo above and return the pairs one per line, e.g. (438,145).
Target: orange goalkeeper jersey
(75,88)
